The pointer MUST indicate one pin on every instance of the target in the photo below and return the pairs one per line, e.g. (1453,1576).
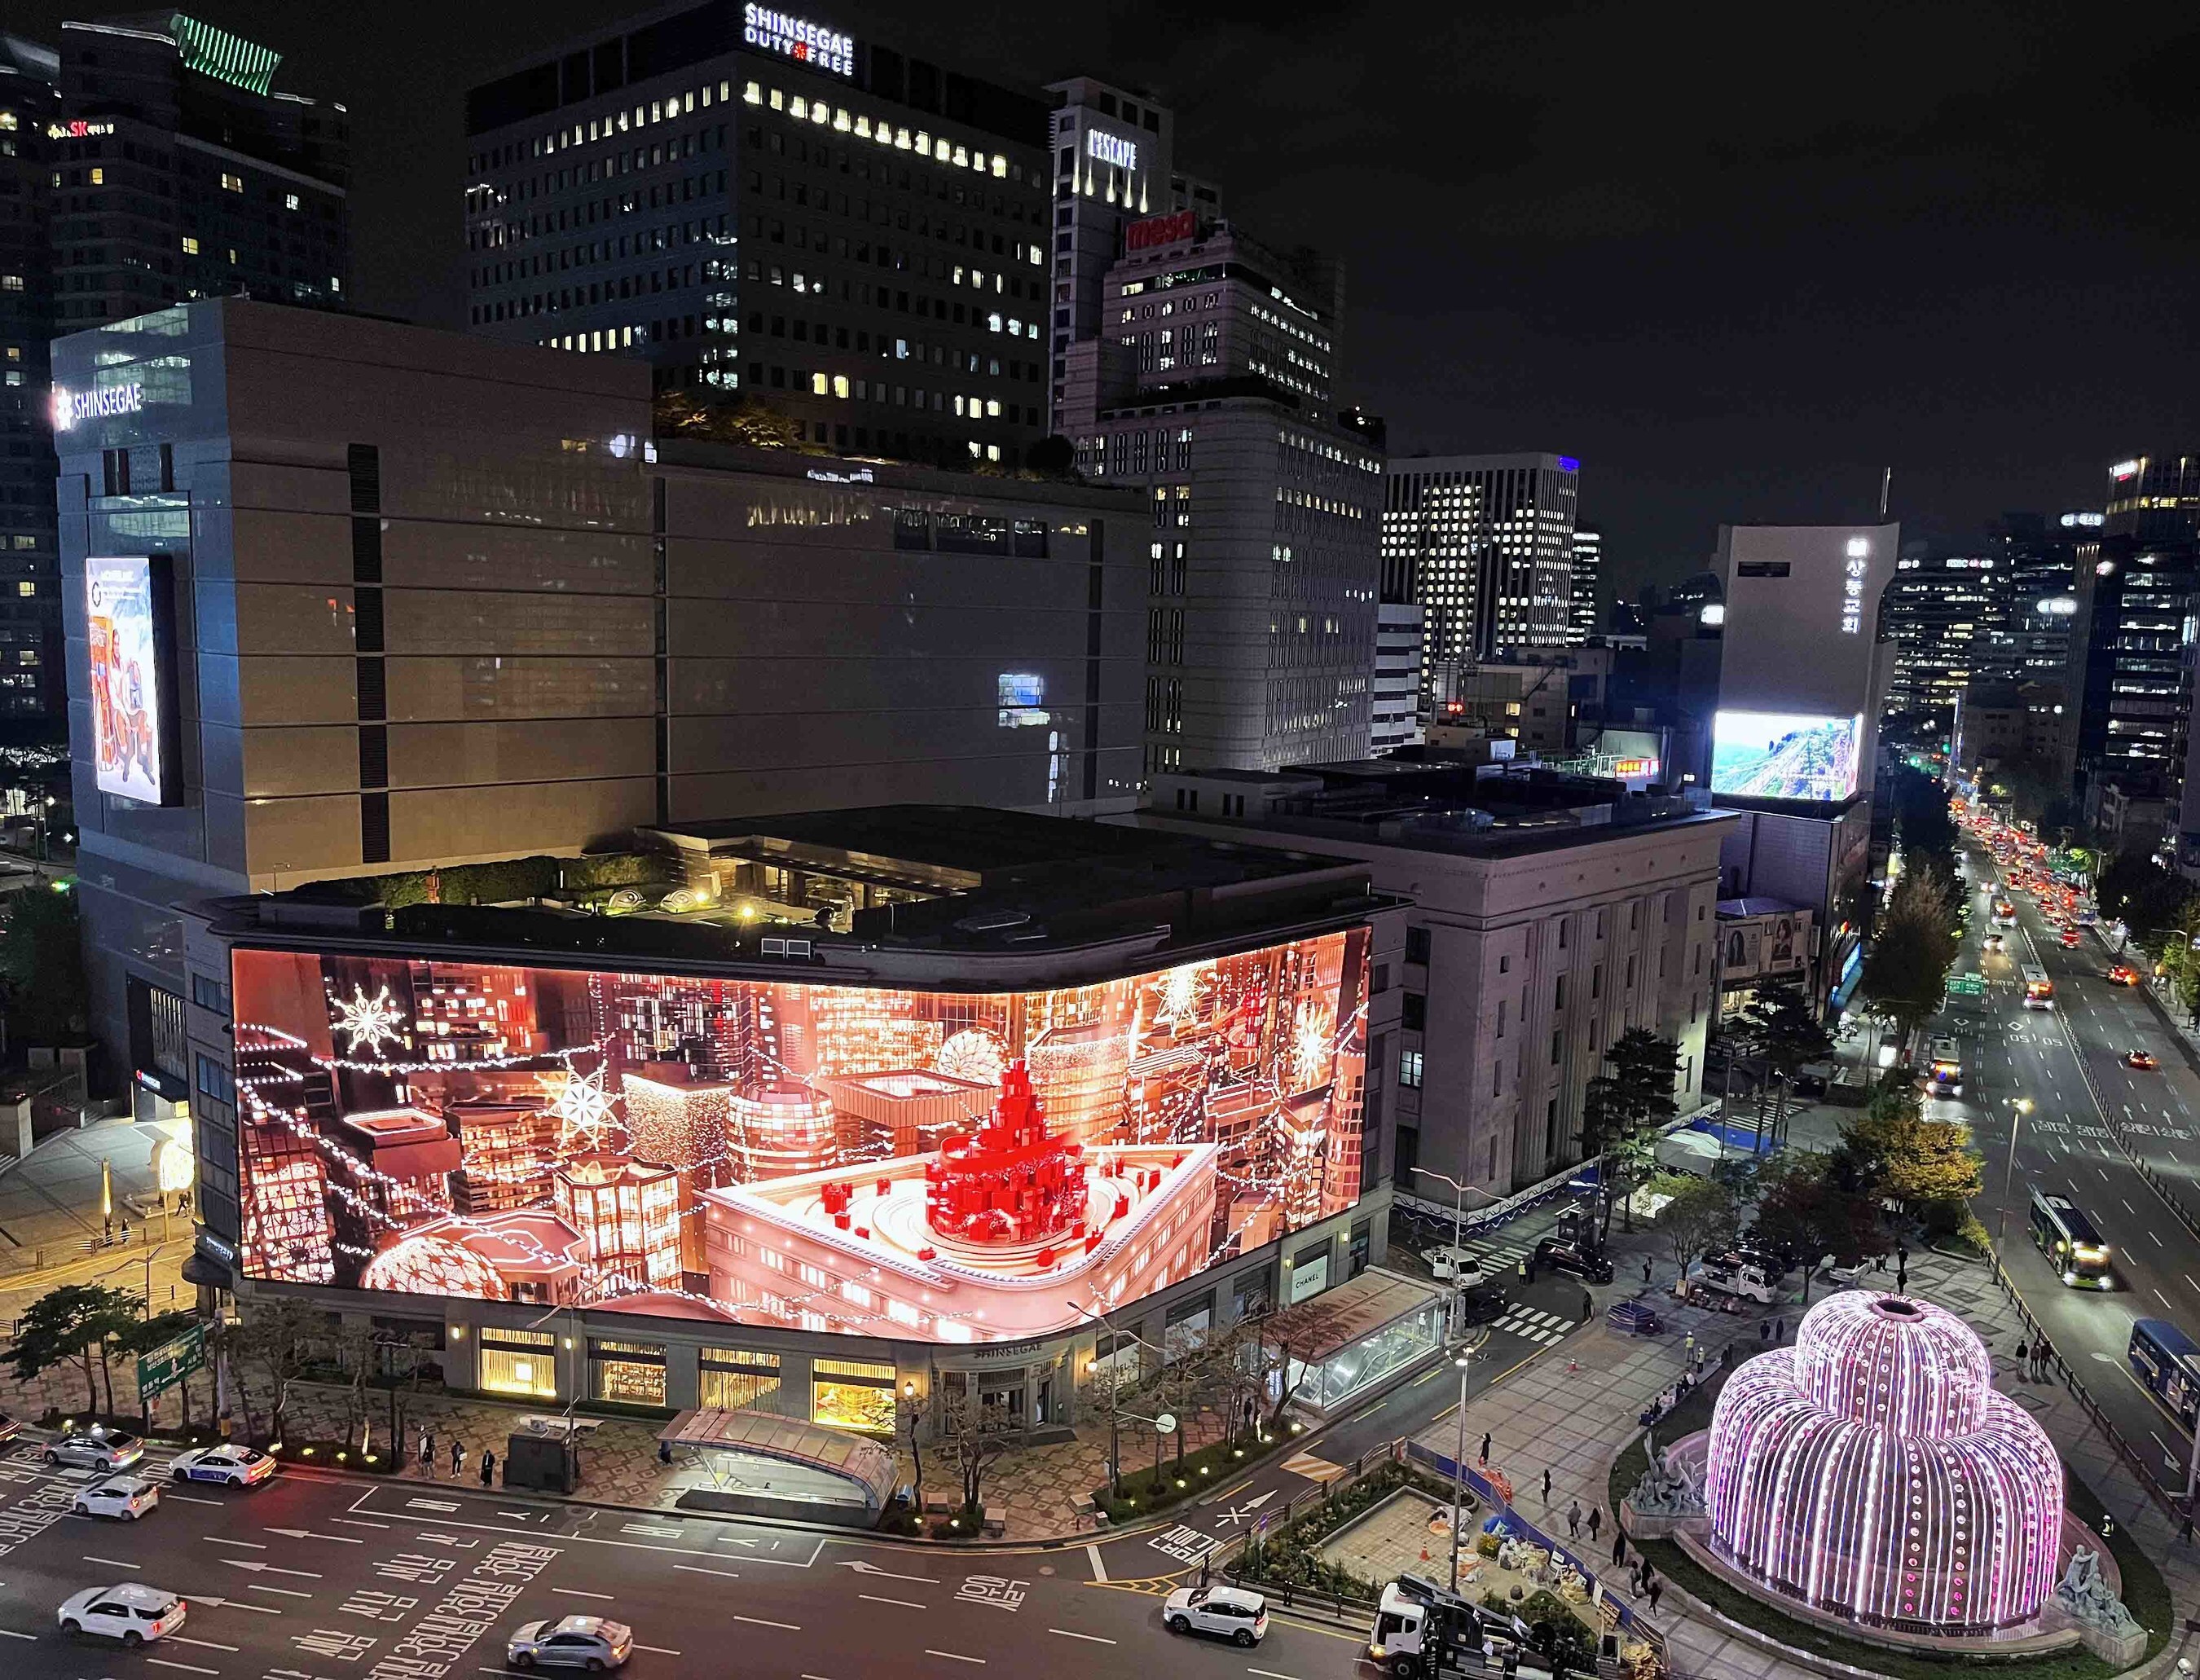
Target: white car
(126,1498)
(1228,1612)
(570,1642)
(132,1613)
(96,1449)
(238,1466)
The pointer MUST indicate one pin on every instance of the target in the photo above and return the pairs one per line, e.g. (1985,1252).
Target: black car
(1481,1305)
(1592,1264)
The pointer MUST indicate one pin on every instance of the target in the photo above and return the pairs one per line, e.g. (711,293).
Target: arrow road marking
(308,1534)
(1239,1513)
(256,1567)
(863,1568)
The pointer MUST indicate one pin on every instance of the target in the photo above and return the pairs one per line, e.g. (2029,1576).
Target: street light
(1115,1408)
(2022,1106)
(1464,1364)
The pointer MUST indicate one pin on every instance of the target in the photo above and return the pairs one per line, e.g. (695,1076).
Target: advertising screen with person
(125,690)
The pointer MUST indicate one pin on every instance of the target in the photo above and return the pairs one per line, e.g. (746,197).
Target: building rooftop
(1435,805)
(913,892)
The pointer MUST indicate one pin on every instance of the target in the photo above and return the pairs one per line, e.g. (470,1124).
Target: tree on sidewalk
(1813,1210)
(1895,1152)
(1622,1111)
(2147,899)
(1906,967)
(1788,1034)
(974,1432)
(278,1336)
(1701,1215)
(73,1325)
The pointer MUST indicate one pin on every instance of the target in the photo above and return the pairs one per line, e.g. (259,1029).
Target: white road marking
(112,1563)
(429,1505)
(954,1656)
(639,1546)
(758,1621)
(1100,1569)
(217,1540)
(11,1634)
(905,1603)
(659,1649)
(361,1522)
(1271,1674)
(210,1644)
(649,1528)
(287,1592)
(576,1592)
(1090,1638)
(692,1569)
(2165,1300)
(188,1668)
(189,1499)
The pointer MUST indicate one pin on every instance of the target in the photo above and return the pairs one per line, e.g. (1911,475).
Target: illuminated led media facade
(1873,1471)
(906,1164)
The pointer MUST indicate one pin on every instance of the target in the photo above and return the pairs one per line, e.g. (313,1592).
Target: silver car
(571,1642)
(95,1448)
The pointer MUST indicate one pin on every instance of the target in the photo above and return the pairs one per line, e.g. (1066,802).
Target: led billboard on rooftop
(1779,755)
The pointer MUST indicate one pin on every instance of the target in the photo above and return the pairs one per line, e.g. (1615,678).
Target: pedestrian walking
(1618,1547)
(1779,1330)
(1653,1590)
(1203,1558)
(1879,1264)
(1528,1268)
(488,1468)
(457,1459)
(2023,1360)
(427,1453)
(1634,1579)
(1573,1520)
(1726,1355)
(1485,1446)
(1595,1522)
(1646,1268)
(1764,1331)
(1689,1348)
(1588,1306)
(1546,1487)
(1902,1279)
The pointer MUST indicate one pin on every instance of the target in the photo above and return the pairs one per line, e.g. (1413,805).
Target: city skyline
(1639,306)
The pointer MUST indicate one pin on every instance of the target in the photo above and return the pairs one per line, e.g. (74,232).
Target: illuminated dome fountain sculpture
(1873,1471)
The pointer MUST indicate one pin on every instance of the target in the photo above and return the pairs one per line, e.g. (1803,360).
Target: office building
(1209,392)
(2036,557)
(1582,622)
(1944,617)
(847,1105)
(1550,913)
(1488,543)
(2003,724)
(1394,711)
(449,601)
(143,159)
(759,206)
(1536,697)
(2137,574)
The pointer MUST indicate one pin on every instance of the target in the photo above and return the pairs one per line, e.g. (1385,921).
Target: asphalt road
(2068,1061)
(313,1580)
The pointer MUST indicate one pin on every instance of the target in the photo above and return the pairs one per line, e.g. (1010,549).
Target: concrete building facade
(437,600)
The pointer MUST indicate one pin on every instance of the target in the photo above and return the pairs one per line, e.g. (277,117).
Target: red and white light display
(1873,1471)
(1010,1180)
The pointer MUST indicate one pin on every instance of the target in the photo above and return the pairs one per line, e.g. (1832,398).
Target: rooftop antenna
(1886,486)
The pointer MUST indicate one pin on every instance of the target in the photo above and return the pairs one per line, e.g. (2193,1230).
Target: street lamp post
(1464,1364)
(1115,1405)
(1459,1187)
(2020,1106)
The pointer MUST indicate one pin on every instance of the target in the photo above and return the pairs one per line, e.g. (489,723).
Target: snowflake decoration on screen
(370,1021)
(583,1109)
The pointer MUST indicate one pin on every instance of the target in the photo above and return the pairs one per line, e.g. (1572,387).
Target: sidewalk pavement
(1575,1410)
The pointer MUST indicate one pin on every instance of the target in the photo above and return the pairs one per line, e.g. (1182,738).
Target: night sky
(1736,260)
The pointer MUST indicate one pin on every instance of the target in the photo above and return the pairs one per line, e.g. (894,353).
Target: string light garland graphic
(1873,1471)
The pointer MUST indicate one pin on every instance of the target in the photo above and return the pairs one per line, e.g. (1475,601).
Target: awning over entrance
(1363,1336)
(769,1465)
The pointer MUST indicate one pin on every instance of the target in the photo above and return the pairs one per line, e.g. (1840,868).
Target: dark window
(1417,945)
(1415,1017)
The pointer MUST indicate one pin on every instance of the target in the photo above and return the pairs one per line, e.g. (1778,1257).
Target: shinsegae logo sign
(799,39)
(73,408)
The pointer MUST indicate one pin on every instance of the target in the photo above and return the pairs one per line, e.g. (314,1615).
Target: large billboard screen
(1781,755)
(950,1167)
(128,700)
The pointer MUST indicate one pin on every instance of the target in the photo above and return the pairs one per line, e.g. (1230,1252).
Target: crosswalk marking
(1313,1466)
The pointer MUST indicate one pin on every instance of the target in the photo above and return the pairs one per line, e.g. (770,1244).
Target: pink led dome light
(1873,1471)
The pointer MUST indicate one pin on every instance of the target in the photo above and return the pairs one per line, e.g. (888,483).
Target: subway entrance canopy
(762,1465)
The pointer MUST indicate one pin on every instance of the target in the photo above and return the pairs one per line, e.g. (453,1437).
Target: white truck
(1751,1278)
(1454,1265)
(1423,1632)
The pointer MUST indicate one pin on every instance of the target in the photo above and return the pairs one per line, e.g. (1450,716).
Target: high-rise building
(1489,541)
(1589,573)
(2135,577)
(752,202)
(144,160)
(1945,616)
(1395,719)
(2036,560)
(1207,388)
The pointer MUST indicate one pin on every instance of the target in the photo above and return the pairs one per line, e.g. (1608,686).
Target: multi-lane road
(2068,1061)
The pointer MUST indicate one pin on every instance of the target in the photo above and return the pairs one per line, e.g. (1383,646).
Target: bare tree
(975,1432)
(279,1333)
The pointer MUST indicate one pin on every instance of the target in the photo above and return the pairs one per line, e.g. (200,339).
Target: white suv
(132,1613)
(1229,1613)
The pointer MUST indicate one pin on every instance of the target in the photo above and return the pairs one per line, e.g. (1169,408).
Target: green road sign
(168,1364)
(1966,985)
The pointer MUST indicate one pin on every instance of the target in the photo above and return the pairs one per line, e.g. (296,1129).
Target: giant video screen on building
(1779,755)
(951,1166)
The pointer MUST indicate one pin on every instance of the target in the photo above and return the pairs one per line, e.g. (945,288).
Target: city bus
(2061,1231)
(2168,1365)
(2039,990)
(1944,1075)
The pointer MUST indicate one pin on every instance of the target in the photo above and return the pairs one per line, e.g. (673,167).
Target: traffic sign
(166,1366)
(1966,985)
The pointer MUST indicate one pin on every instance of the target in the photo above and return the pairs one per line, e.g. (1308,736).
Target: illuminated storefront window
(522,1363)
(632,1373)
(852,1394)
(737,1378)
